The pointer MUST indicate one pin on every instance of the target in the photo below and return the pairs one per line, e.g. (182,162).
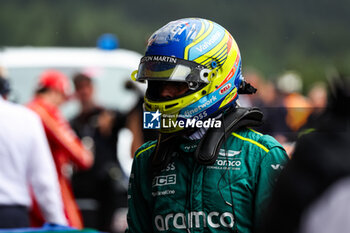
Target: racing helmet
(199,53)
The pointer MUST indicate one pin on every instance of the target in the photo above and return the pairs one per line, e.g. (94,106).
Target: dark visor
(164,68)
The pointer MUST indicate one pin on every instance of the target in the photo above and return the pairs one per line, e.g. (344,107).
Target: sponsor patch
(164,180)
(163,193)
(225,89)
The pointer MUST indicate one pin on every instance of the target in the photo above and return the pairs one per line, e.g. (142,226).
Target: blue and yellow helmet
(200,53)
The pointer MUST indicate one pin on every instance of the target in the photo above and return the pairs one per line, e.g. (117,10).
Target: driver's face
(170,90)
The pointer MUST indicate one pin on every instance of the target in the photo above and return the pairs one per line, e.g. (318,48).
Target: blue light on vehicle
(108,41)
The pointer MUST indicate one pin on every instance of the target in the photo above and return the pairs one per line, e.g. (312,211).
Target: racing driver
(199,177)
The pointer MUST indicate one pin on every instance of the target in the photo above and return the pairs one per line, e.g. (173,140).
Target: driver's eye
(166,90)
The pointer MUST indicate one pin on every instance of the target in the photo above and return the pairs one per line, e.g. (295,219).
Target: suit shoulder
(145,150)
(264,141)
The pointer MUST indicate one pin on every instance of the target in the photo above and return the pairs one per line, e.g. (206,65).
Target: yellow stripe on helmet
(203,29)
(229,97)
(219,48)
(200,38)
(208,61)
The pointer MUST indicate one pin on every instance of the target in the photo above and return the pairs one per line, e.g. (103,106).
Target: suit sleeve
(139,214)
(268,171)
(59,131)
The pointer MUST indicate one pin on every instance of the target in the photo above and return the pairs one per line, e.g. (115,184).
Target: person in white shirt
(25,164)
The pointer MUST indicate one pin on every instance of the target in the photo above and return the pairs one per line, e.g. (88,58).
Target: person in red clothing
(53,90)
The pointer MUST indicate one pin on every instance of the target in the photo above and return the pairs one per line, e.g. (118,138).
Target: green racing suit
(189,197)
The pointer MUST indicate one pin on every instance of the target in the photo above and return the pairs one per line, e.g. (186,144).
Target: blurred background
(289,50)
(306,36)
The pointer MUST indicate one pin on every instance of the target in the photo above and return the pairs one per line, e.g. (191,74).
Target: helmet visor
(164,68)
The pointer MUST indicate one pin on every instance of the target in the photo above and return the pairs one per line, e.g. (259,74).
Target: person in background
(318,99)
(52,91)
(135,117)
(271,103)
(313,194)
(105,182)
(26,164)
(268,99)
(256,79)
(298,106)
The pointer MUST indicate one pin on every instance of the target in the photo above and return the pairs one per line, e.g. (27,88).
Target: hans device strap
(208,148)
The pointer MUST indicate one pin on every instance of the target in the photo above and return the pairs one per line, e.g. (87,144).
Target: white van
(110,70)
